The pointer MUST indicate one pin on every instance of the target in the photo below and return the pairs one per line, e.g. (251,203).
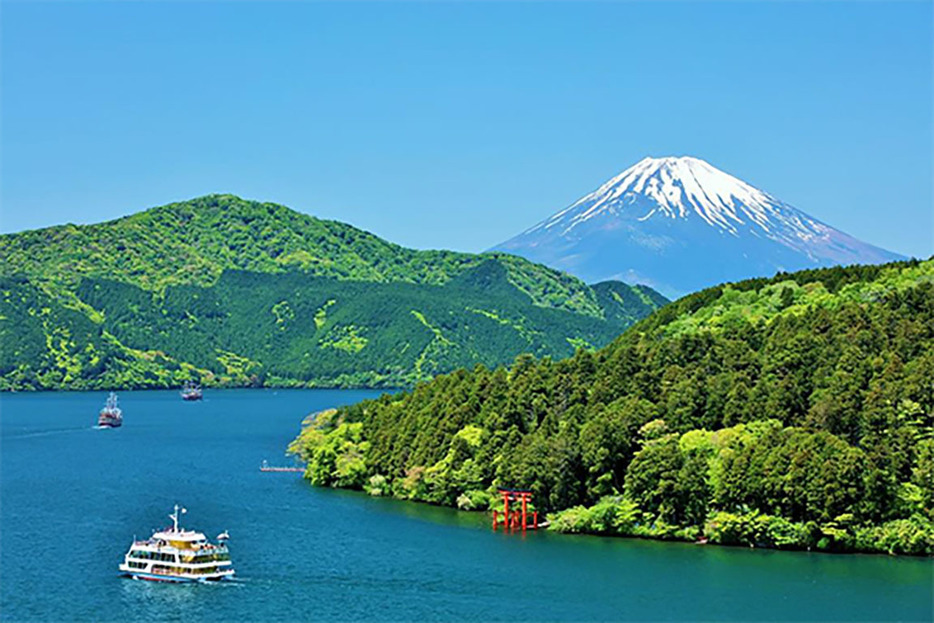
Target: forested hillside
(232,292)
(193,242)
(796,411)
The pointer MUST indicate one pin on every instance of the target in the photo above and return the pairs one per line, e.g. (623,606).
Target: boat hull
(177,578)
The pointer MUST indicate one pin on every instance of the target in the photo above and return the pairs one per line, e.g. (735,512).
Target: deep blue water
(73,497)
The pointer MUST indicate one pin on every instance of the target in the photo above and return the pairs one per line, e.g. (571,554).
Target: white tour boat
(178,555)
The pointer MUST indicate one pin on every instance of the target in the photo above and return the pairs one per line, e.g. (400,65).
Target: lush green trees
(793,412)
(242,293)
(333,451)
(193,242)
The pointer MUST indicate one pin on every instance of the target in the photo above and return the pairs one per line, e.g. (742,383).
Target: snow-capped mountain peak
(677,187)
(678,224)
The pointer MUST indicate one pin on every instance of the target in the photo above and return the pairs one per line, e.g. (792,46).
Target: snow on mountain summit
(661,212)
(680,187)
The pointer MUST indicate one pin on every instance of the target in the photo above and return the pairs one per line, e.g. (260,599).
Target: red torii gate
(513,520)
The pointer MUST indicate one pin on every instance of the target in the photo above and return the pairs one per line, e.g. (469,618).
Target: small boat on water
(111,416)
(191,391)
(178,555)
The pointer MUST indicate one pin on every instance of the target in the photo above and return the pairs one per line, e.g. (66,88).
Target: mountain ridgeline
(231,292)
(792,412)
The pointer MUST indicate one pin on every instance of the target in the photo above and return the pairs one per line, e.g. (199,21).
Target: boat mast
(174,517)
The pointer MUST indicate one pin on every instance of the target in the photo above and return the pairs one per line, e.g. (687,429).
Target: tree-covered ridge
(45,344)
(764,299)
(280,329)
(193,242)
(234,292)
(626,303)
(796,411)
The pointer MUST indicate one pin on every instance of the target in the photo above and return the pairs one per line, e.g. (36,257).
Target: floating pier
(266,467)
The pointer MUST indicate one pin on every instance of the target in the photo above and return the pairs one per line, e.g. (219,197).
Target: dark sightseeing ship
(191,391)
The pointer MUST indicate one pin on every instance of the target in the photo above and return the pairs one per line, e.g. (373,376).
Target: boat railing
(211,549)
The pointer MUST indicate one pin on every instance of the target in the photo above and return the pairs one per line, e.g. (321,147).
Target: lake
(73,497)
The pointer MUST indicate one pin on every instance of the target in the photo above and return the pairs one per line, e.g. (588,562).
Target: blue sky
(457,125)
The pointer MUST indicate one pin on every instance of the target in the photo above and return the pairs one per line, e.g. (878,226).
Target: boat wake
(48,433)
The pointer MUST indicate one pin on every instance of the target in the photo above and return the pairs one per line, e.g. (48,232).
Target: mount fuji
(679,225)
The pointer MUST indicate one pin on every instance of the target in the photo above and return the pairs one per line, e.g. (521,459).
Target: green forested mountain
(236,292)
(796,411)
(193,242)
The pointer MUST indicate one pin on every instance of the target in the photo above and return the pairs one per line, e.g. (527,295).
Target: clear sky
(457,125)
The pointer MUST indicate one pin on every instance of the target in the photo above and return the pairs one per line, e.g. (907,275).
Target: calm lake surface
(73,498)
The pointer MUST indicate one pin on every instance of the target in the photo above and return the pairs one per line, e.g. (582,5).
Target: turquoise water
(73,498)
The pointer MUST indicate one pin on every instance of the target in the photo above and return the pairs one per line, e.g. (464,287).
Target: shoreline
(639,537)
(44,390)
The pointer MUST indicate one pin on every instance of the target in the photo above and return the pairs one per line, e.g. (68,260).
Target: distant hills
(792,412)
(681,225)
(234,292)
